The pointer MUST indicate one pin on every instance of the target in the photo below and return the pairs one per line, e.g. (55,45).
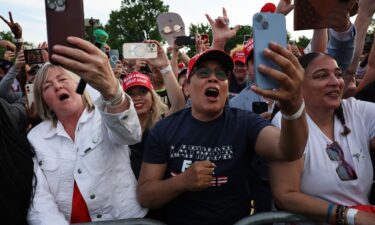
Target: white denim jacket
(98,160)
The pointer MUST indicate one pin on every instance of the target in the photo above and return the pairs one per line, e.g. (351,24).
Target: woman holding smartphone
(82,147)
(150,108)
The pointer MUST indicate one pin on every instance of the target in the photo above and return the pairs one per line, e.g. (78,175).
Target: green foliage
(134,22)
(239,38)
(200,28)
(5,36)
(8,35)
(371,28)
(303,41)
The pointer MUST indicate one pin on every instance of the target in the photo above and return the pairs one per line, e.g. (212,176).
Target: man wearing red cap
(196,161)
(237,82)
(246,97)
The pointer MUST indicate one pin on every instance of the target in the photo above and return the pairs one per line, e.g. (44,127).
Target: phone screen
(33,56)
(260,107)
(185,40)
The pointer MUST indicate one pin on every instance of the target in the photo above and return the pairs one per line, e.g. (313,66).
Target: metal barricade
(272,217)
(135,221)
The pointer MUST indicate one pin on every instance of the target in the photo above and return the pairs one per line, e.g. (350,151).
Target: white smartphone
(29,93)
(139,50)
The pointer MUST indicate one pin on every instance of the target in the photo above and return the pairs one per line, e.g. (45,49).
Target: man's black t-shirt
(234,87)
(228,141)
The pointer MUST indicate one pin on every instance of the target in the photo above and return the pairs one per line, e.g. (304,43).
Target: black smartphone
(260,107)
(33,56)
(64,18)
(185,40)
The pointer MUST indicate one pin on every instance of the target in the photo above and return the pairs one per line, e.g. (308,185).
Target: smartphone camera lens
(52,4)
(265,25)
(61,3)
(259,18)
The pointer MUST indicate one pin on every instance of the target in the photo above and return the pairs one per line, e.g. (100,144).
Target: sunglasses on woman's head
(344,170)
(205,72)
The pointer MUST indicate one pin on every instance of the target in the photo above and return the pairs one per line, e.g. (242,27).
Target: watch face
(170,26)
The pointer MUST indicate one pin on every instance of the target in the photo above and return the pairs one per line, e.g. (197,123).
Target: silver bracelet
(117,99)
(296,115)
(166,69)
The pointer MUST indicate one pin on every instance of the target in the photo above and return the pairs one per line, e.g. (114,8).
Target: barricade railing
(256,219)
(135,221)
(273,217)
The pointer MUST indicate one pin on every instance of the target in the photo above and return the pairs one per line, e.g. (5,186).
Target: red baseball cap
(239,56)
(268,7)
(211,54)
(248,47)
(137,79)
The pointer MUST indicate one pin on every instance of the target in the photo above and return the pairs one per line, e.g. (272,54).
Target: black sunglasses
(205,72)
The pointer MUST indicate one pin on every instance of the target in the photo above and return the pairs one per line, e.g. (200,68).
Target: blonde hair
(41,107)
(158,108)
(238,48)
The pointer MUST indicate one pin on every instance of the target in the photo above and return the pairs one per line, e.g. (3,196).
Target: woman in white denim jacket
(80,147)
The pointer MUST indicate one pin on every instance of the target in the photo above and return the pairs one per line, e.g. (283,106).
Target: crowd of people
(191,140)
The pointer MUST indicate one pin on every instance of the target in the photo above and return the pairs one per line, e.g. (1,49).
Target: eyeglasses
(137,91)
(206,72)
(344,170)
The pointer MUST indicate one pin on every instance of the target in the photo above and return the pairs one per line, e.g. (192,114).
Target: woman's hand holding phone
(289,94)
(89,62)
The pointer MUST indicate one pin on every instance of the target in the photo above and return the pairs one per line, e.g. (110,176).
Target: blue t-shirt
(228,141)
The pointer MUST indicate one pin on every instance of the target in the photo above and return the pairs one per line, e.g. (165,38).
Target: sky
(31,13)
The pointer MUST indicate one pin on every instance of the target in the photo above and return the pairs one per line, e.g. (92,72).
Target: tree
(5,36)
(200,28)
(303,41)
(134,22)
(239,38)
(371,28)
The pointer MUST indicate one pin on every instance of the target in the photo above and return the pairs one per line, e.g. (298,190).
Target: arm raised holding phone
(92,65)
